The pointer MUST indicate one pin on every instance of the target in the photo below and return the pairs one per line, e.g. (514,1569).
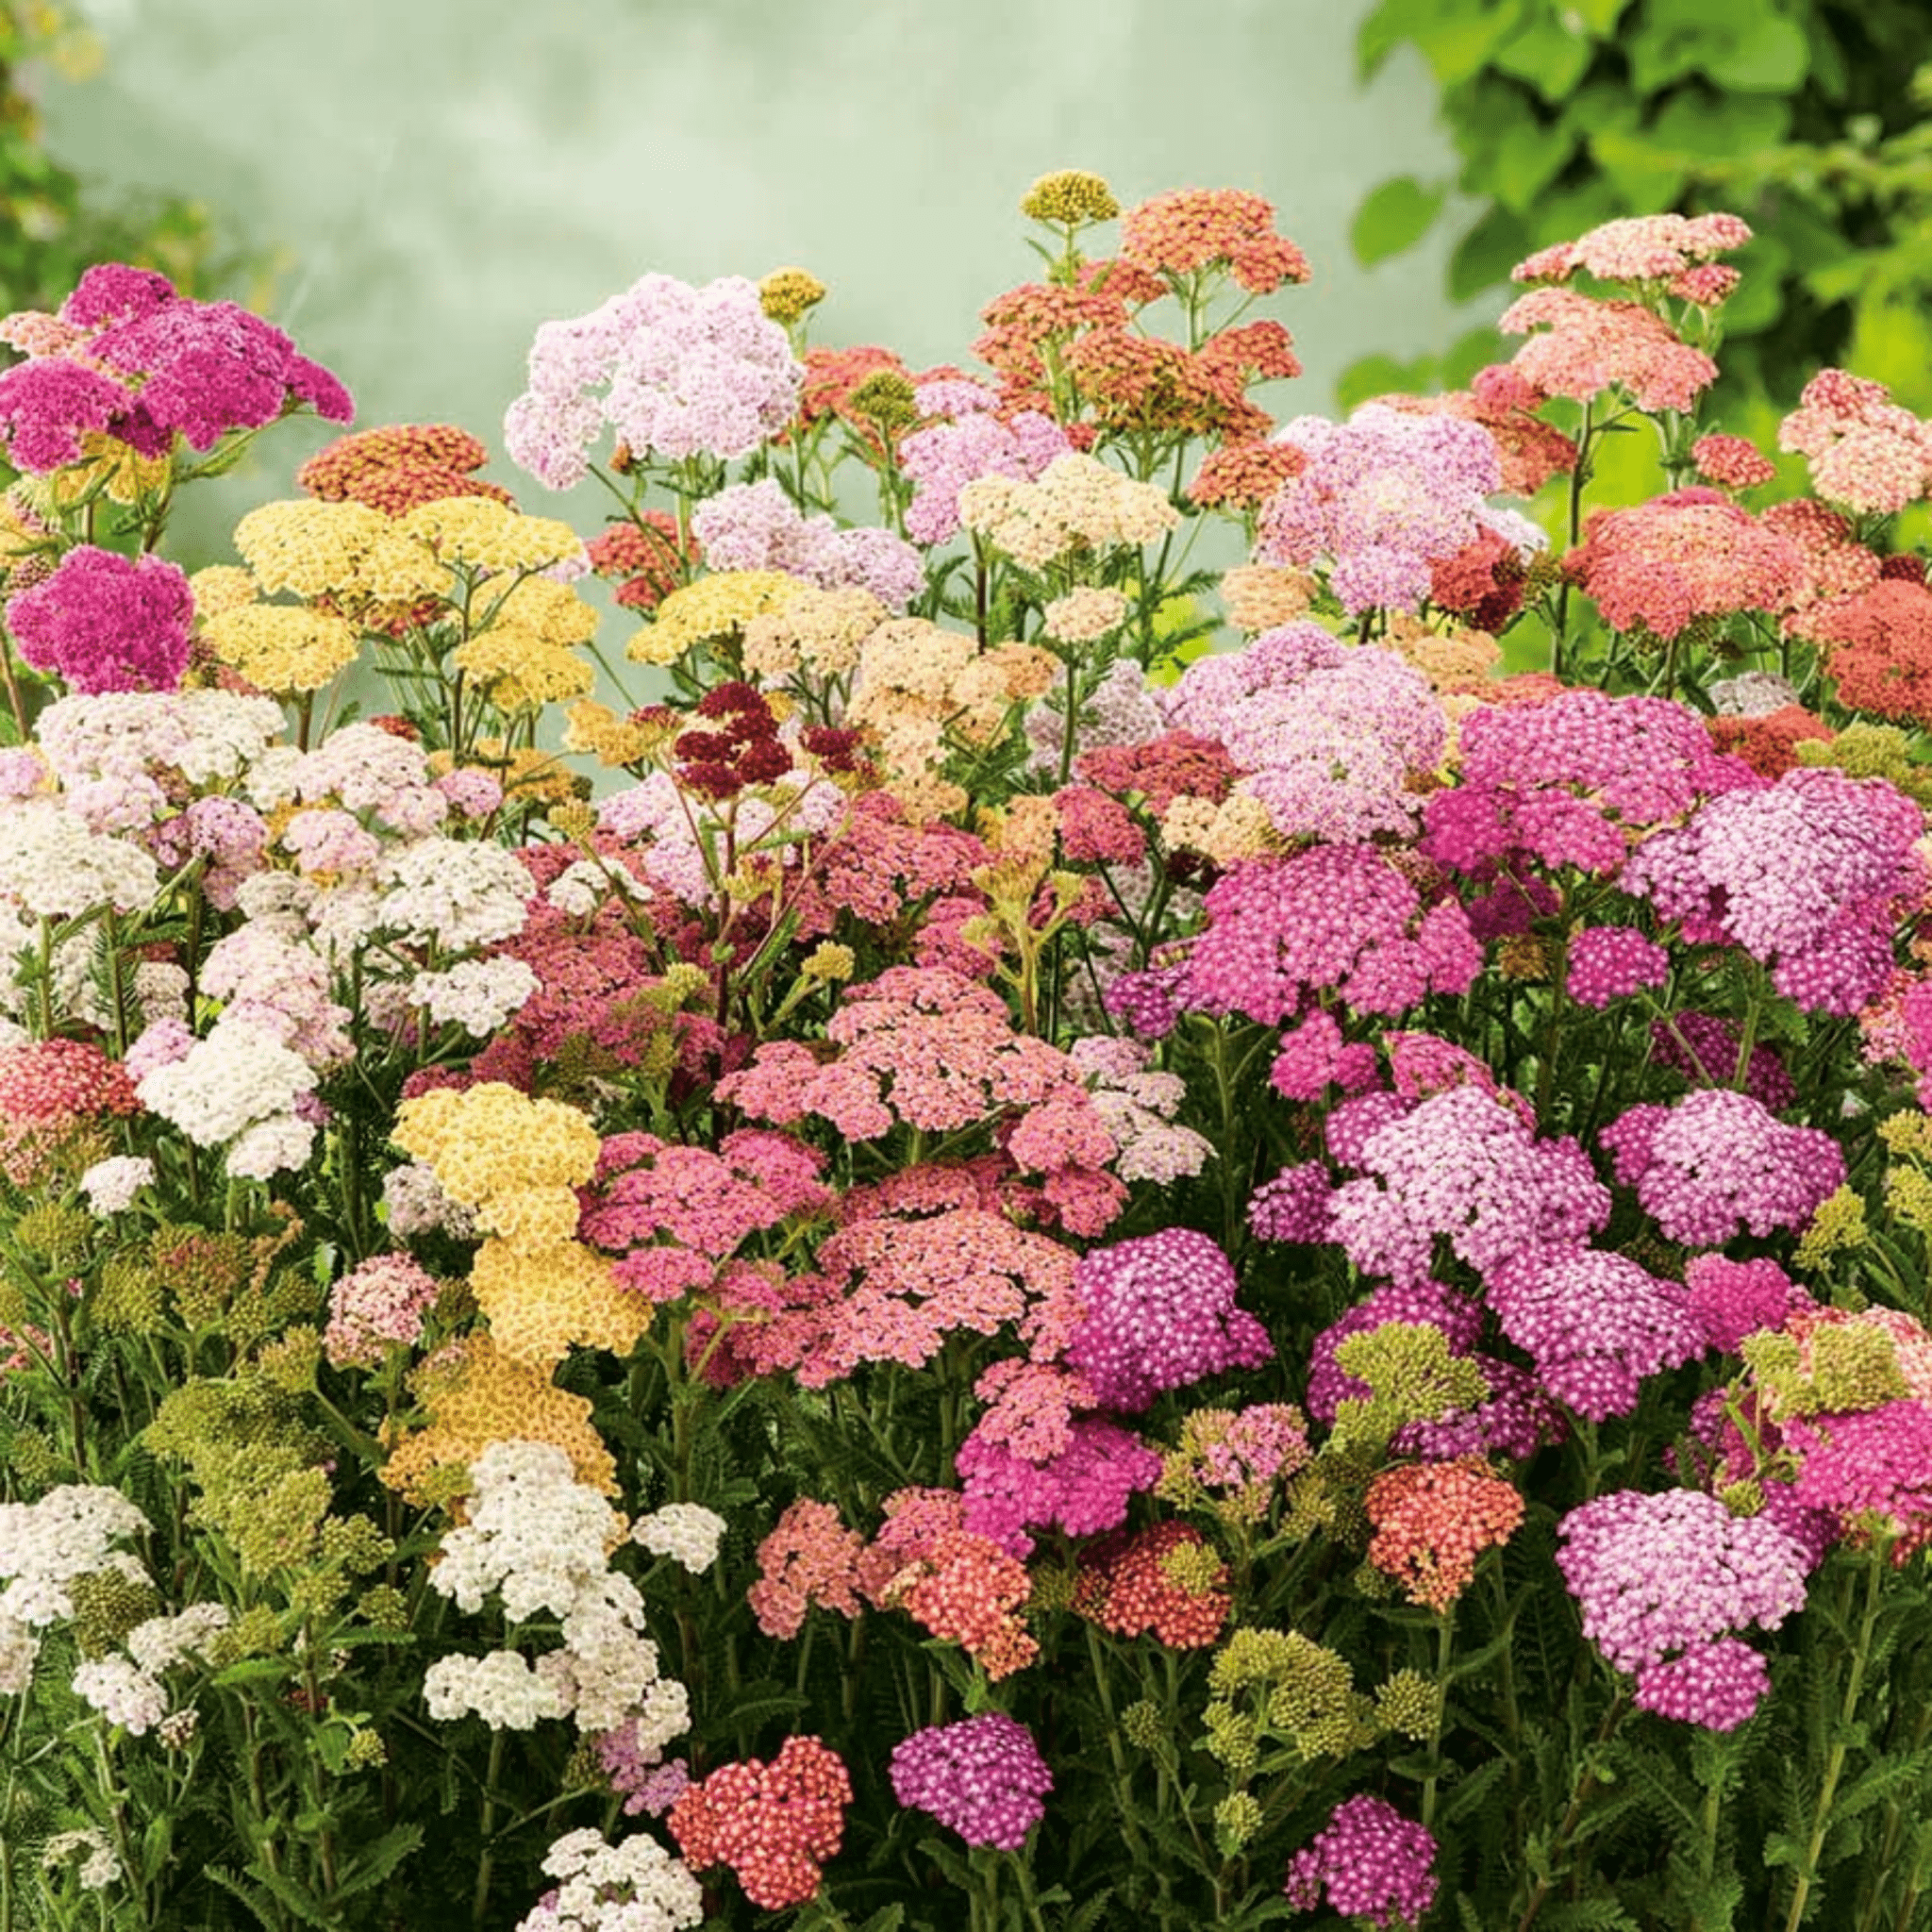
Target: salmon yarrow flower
(715,607)
(1070,198)
(787,294)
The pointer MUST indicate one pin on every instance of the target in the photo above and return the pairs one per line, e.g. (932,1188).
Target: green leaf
(1089,1915)
(1525,158)
(1643,174)
(1769,57)
(1393,217)
(1548,56)
(1455,36)
(1486,255)
(887,1919)
(1598,16)
(372,1867)
(1590,1915)
(1383,375)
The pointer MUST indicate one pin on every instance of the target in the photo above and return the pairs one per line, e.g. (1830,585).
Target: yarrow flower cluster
(773,1824)
(983,1777)
(1664,1580)
(1373,1863)
(1382,496)
(683,371)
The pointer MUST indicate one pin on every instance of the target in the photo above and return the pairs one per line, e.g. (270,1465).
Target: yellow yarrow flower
(715,606)
(108,464)
(490,536)
(550,610)
(786,293)
(312,548)
(282,647)
(1070,198)
(611,741)
(519,671)
(222,586)
(491,1140)
(477,1394)
(543,1302)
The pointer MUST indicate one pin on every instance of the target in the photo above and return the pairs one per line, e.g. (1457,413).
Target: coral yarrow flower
(1433,1520)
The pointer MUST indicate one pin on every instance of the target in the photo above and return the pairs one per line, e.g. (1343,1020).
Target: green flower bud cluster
(1413,1377)
(107,1603)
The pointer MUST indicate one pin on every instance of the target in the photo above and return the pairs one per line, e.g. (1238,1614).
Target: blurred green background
(410,186)
(426,180)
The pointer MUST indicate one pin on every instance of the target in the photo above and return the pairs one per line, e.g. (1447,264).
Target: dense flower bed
(1054,1238)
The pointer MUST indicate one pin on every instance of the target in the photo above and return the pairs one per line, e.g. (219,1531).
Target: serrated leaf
(887,1919)
(1590,1915)
(368,1871)
(1088,1916)
(1393,217)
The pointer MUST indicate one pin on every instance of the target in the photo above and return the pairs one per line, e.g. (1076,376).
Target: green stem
(1835,1763)
(479,1901)
(1580,1794)
(1445,1639)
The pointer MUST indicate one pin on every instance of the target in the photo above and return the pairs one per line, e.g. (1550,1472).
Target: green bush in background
(52,224)
(1807,117)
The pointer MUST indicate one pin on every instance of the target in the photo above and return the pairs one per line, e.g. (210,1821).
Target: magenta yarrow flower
(106,622)
(1715,1685)
(1374,1864)
(983,1777)
(1159,1313)
(1611,962)
(1293,1207)
(1083,1489)
(1733,1299)
(1595,1324)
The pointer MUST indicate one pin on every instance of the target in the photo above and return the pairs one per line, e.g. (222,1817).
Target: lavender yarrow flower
(1373,1862)
(685,372)
(1716,1163)
(1463,1166)
(943,458)
(984,1778)
(1660,1577)
(756,527)
(1595,1324)
(1805,874)
(1332,749)
(1382,496)
(1159,1313)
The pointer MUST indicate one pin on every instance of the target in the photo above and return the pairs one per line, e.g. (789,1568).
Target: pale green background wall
(446,174)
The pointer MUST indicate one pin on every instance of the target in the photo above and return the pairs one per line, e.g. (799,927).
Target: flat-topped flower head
(1660,1578)
(1187,230)
(1578,348)
(676,370)
(1638,248)
(1464,1166)
(1161,1313)
(106,622)
(983,1777)
(1376,1866)
(1380,497)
